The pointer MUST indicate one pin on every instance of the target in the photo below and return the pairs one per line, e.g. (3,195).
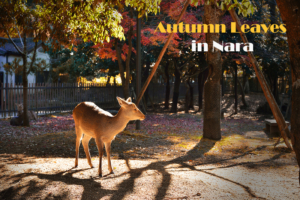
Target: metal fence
(46,98)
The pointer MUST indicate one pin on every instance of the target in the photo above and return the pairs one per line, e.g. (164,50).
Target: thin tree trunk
(167,97)
(121,68)
(145,76)
(290,13)
(212,107)
(25,84)
(242,92)
(176,90)
(191,104)
(108,79)
(275,90)
(187,97)
(235,90)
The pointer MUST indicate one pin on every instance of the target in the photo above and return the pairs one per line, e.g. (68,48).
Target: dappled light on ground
(167,159)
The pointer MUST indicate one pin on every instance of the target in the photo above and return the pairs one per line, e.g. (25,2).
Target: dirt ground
(167,159)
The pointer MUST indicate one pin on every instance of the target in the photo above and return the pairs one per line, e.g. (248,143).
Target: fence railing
(46,98)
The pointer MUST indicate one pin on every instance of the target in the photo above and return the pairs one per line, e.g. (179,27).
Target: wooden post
(267,92)
(160,56)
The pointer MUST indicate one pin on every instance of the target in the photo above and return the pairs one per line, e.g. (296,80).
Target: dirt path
(168,159)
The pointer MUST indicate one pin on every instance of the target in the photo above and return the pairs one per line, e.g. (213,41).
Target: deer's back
(90,118)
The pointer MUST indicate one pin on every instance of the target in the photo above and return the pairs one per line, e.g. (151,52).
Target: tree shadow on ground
(93,190)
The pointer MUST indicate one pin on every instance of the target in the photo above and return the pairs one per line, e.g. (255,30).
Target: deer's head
(130,109)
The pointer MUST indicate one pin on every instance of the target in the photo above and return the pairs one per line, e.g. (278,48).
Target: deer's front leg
(107,147)
(100,150)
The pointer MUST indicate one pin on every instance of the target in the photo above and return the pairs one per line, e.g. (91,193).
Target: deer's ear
(121,101)
(129,99)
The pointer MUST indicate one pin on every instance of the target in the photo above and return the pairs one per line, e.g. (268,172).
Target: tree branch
(7,33)
(33,58)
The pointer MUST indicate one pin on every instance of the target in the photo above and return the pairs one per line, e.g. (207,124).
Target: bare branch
(7,33)
(33,58)
(20,37)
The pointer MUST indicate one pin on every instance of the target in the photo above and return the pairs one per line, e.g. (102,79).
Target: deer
(31,114)
(94,122)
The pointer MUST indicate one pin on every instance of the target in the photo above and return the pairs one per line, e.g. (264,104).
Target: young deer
(94,122)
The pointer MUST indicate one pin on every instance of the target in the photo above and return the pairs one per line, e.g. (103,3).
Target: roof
(7,47)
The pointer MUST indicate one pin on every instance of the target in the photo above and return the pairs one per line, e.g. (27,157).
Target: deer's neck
(120,120)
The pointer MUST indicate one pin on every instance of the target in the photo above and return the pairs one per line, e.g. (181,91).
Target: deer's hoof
(112,172)
(91,166)
(100,175)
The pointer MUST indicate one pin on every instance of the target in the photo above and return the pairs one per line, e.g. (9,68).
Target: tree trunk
(201,80)
(191,104)
(275,90)
(25,84)
(176,90)
(108,79)
(245,83)
(235,89)
(242,93)
(212,112)
(145,76)
(187,97)
(125,83)
(290,13)
(167,97)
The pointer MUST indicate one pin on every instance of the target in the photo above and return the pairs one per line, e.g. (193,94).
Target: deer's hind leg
(85,144)
(78,139)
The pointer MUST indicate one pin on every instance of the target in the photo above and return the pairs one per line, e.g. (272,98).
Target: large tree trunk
(212,112)
(25,84)
(201,80)
(176,90)
(290,13)
(167,97)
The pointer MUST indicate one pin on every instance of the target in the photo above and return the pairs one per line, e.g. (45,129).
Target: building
(8,53)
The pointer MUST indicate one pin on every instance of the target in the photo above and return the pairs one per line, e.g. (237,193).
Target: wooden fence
(46,98)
